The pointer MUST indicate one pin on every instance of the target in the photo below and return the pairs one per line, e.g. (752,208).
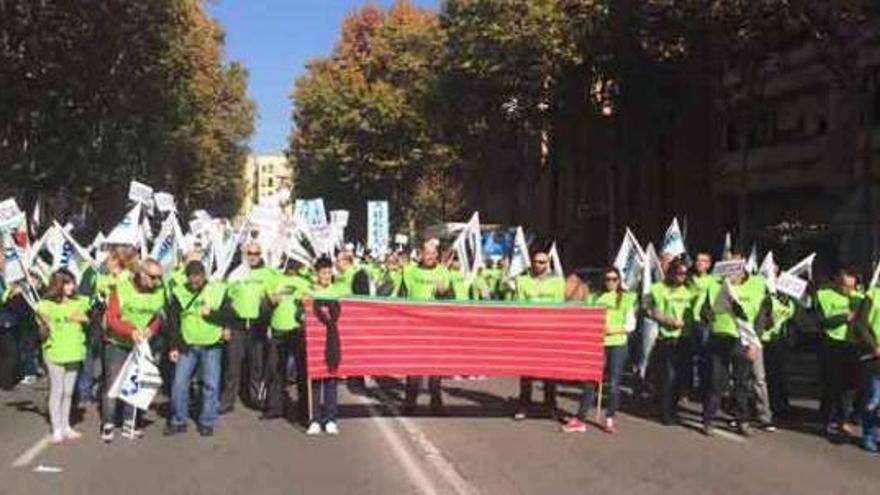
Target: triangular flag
(673,241)
(652,270)
(630,261)
(71,256)
(876,278)
(727,250)
(752,260)
(555,262)
(804,268)
(519,259)
(166,249)
(128,231)
(768,270)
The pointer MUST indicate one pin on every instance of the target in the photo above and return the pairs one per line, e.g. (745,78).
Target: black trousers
(279,349)
(671,363)
(414,386)
(525,392)
(775,364)
(8,359)
(839,371)
(726,354)
(234,356)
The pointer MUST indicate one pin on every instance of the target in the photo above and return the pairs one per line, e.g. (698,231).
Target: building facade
(265,176)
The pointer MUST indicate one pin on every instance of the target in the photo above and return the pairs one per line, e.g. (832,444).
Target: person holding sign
(620,321)
(135,312)
(426,281)
(732,309)
(838,311)
(540,285)
(671,303)
(62,318)
(196,332)
(775,343)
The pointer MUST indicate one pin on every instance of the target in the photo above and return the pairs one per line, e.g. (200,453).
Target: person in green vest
(620,321)
(249,325)
(540,286)
(135,311)
(702,281)
(62,318)
(345,270)
(838,361)
(426,281)
(774,341)
(732,310)
(286,338)
(671,304)
(869,351)
(325,391)
(196,331)
(389,282)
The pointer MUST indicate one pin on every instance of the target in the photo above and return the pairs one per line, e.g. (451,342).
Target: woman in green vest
(620,320)
(671,305)
(62,317)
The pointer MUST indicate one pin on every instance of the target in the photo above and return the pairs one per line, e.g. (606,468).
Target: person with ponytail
(62,317)
(620,320)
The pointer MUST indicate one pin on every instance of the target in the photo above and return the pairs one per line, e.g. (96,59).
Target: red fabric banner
(399,338)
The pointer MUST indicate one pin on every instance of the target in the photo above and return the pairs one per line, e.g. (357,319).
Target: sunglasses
(254,253)
(153,276)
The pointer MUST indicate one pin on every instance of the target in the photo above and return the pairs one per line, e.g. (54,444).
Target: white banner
(791,285)
(311,212)
(140,193)
(729,268)
(378,227)
(165,202)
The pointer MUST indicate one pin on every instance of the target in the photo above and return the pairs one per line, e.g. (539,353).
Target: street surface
(474,449)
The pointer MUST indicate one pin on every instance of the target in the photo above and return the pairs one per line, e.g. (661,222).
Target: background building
(265,176)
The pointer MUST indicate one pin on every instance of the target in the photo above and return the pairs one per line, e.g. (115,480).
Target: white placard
(140,193)
(165,202)
(729,268)
(377,227)
(792,286)
(339,217)
(311,212)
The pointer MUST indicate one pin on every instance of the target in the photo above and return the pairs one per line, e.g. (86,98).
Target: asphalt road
(474,448)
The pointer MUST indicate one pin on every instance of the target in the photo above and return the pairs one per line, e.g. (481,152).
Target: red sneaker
(574,425)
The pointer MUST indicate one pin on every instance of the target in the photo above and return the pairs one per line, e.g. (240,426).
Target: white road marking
(30,454)
(432,454)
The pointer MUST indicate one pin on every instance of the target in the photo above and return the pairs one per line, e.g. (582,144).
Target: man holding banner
(424,282)
(135,313)
(541,286)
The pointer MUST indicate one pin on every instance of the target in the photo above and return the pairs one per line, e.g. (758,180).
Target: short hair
(323,262)
(194,267)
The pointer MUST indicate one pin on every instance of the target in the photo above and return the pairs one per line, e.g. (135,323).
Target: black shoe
(206,431)
(171,430)
(226,409)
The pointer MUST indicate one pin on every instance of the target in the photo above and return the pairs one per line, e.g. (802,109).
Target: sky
(275,39)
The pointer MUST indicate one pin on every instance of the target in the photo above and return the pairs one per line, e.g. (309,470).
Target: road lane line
(432,454)
(30,454)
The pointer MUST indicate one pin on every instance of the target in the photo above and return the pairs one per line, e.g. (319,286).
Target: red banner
(391,338)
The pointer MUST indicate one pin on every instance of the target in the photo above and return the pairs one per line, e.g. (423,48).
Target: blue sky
(275,39)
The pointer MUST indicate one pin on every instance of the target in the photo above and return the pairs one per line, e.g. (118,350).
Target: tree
(362,126)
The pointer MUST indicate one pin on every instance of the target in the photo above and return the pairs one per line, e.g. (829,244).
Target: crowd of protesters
(245,338)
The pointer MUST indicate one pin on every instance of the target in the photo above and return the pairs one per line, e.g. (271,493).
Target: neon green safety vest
(750,294)
(782,312)
(138,308)
(874,315)
(619,311)
(67,338)
(289,290)
(834,303)
(422,284)
(549,289)
(460,286)
(194,329)
(673,302)
(248,294)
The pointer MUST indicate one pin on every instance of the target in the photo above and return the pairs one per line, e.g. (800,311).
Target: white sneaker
(107,432)
(28,380)
(331,428)
(314,429)
(57,437)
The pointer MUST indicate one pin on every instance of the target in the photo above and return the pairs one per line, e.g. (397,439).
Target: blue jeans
(872,408)
(85,382)
(324,401)
(615,359)
(208,359)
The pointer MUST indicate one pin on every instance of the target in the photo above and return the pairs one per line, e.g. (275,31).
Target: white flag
(768,270)
(630,261)
(752,260)
(555,262)
(139,379)
(727,250)
(519,260)
(71,256)
(803,268)
(166,249)
(876,278)
(673,241)
(128,231)
(652,271)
